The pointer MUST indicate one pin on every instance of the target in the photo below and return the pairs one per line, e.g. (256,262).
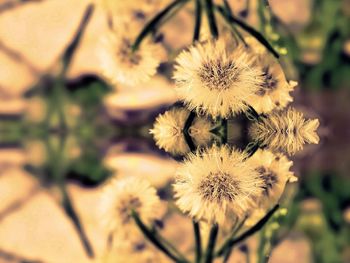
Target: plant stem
(257,35)
(211,18)
(155,240)
(198,21)
(197,236)
(186,128)
(211,244)
(231,241)
(154,22)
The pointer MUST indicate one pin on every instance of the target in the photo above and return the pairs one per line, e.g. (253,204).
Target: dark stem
(231,241)
(209,7)
(234,29)
(155,240)
(72,47)
(154,22)
(211,244)
(70,211)
(257,35)
(187,135)
(197,236)
(198,21)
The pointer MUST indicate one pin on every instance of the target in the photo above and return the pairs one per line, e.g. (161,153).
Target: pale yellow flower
(121,196)
(285,131)
(215,183)
(168,131)
(200,131)
(120,64)
(137,249)
(274,171)
(213,80)
(273,93)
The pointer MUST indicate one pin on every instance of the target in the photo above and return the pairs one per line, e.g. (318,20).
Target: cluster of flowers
(215,185)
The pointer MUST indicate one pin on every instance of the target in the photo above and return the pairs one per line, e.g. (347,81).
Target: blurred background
(62,137)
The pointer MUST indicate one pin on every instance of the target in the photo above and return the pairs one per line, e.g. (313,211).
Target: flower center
(219,187)
(126,206)
(126,54)
(217,75)
(269,83)
(268,177)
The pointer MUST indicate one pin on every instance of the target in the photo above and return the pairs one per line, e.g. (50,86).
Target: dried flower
(120,197)
(273,93)
(167,131)
(214,183)
(273,170)
(211,79)
(122,65)
(285,131)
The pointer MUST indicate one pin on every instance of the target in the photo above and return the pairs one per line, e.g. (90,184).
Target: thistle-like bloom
(122,196)
(121,65)
(167,131)
(213,80)
(273,92)
(285,131)
(215,183)
(273,170)
(135,249)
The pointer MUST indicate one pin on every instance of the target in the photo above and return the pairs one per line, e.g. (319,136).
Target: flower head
(122,65)
(167,131)
(137,249)
(211,79)
(212,184)
(273,170)
(285,131)
(273,92)
(122,196)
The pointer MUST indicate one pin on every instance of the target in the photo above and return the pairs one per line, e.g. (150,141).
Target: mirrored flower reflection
(286,131)
(214,183)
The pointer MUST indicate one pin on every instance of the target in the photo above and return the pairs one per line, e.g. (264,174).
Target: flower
(274,91)
(120,64)
(200,131)
(285,131)
(214,80)
(273,170)
(167,131)
(215,183)
(120,197)
(135,250)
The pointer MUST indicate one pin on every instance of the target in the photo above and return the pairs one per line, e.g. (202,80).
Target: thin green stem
(209,7)
(234,232)
(154,22)
(197,236)
(231,241)
(233,27)
(198,21)
(257,35)
(211,244)
(155,240)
